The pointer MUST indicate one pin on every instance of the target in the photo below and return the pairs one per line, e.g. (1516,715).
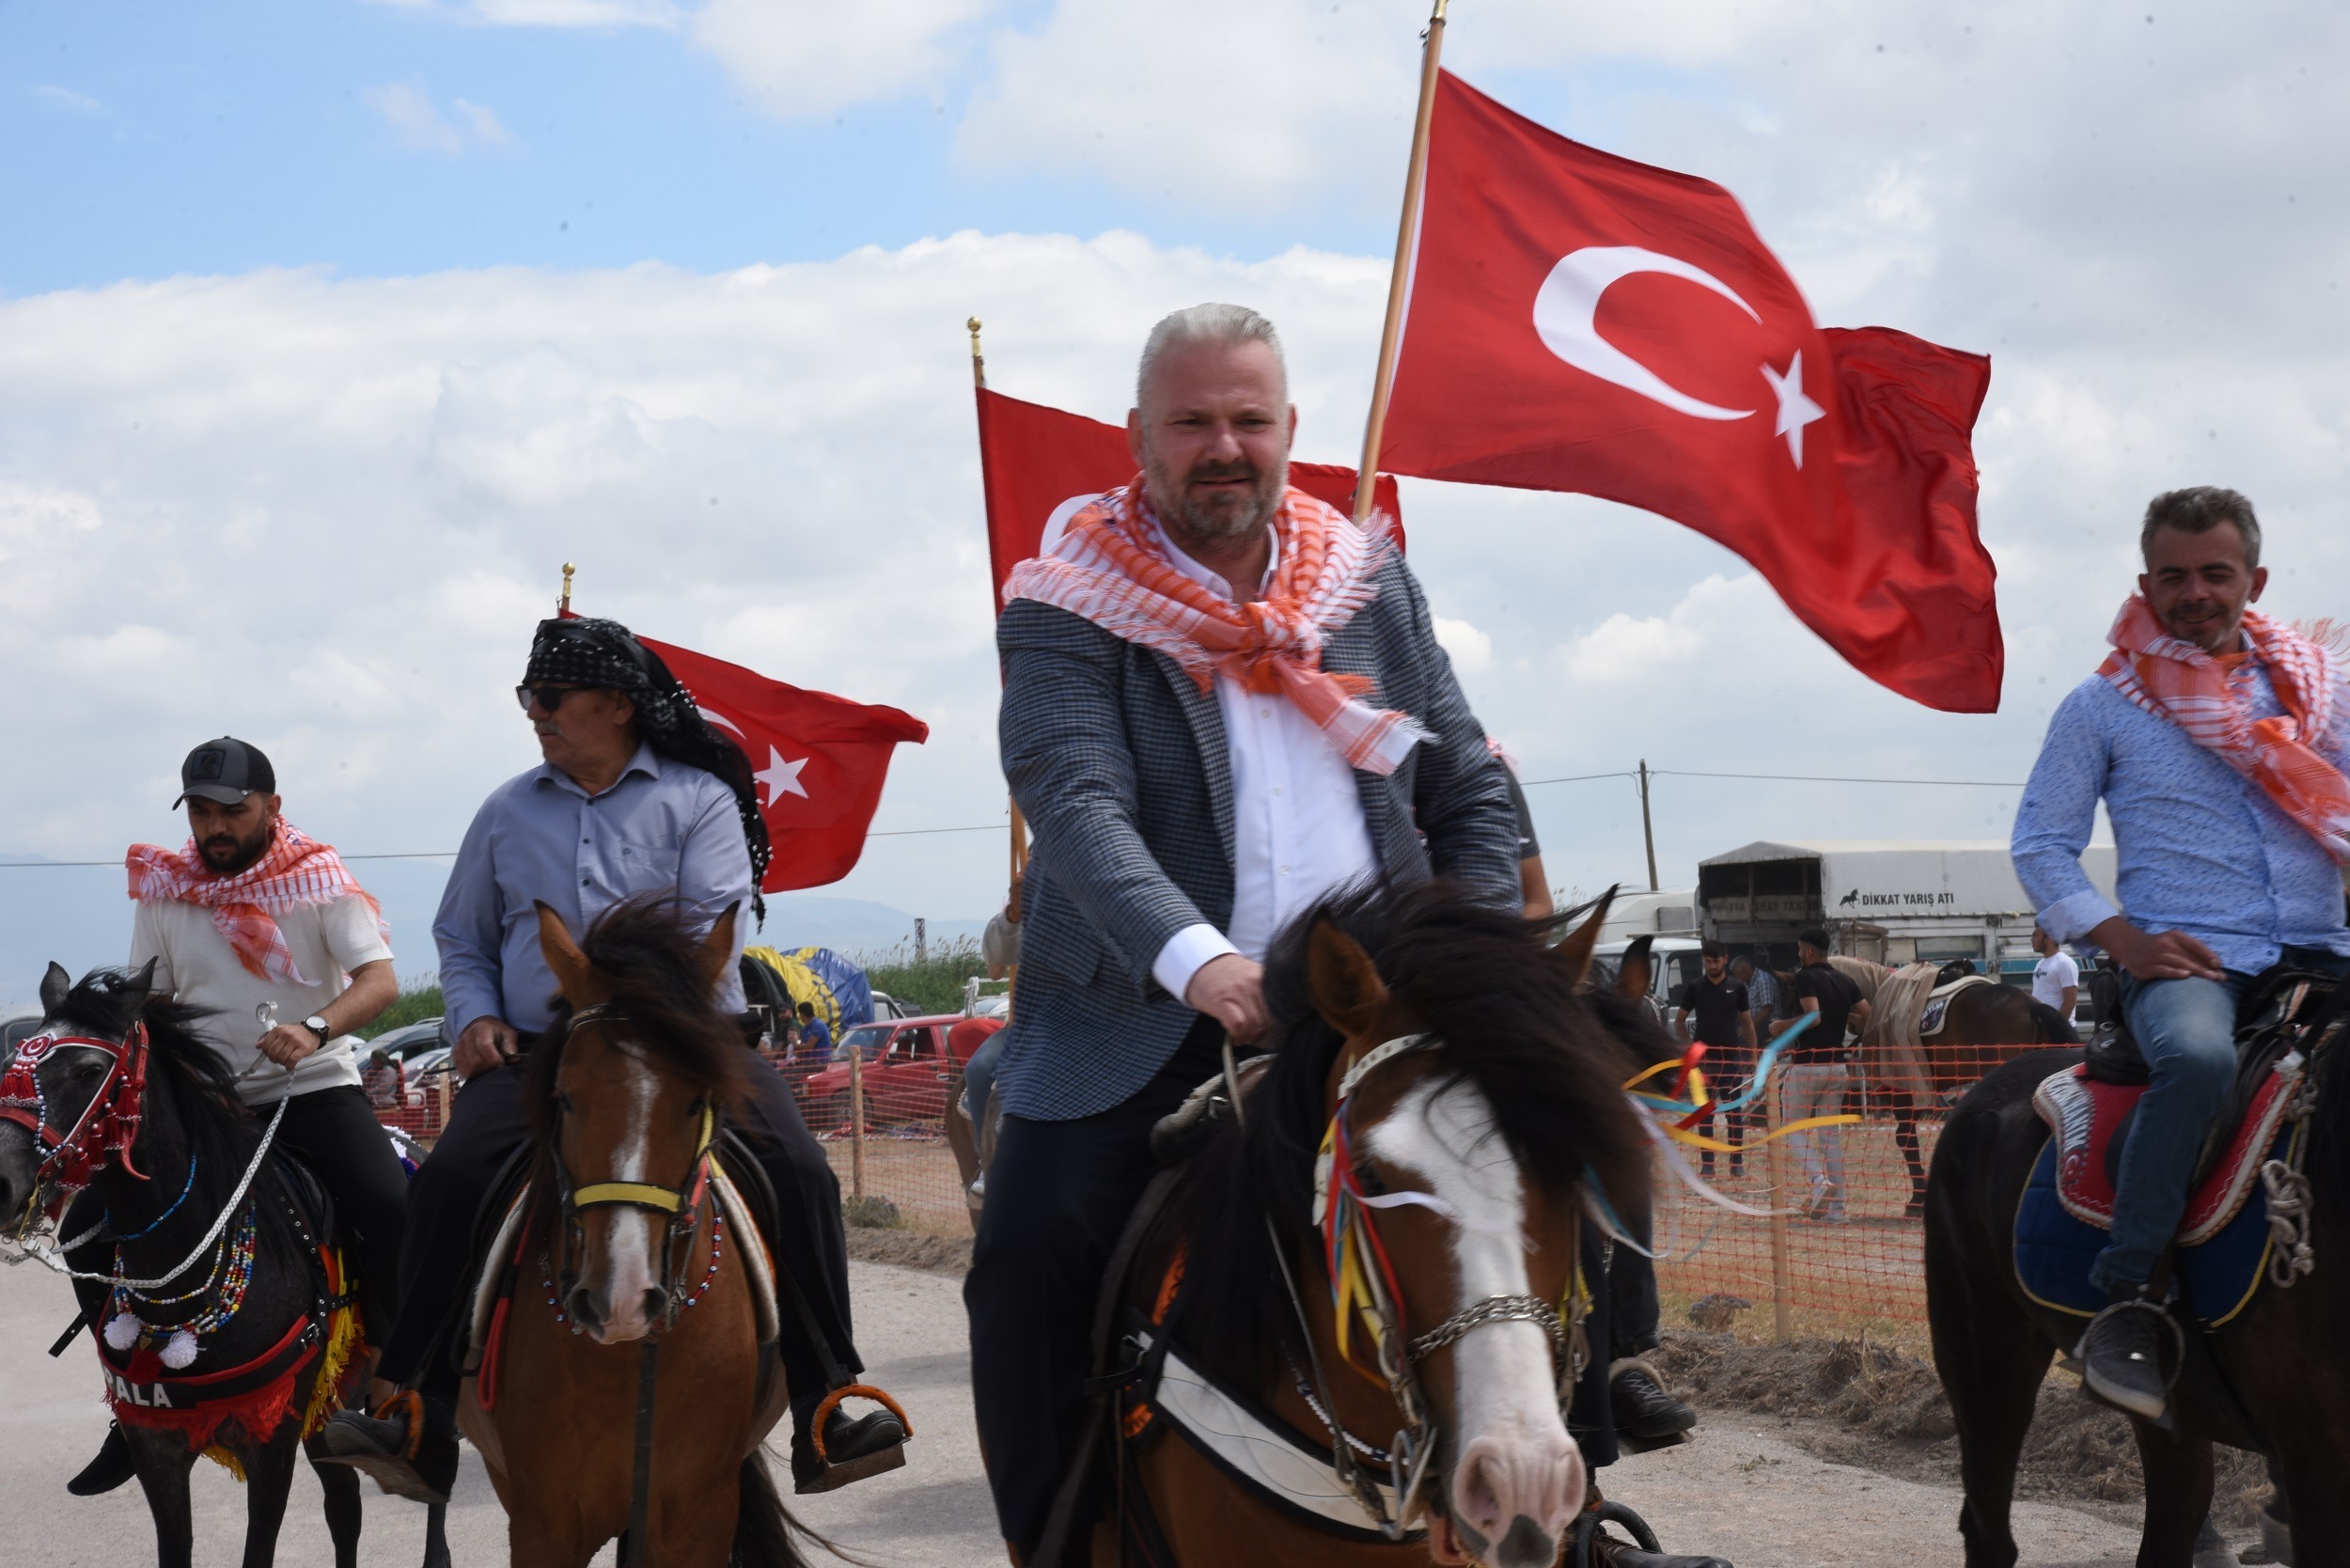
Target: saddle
(2226,1243)
(1954,978)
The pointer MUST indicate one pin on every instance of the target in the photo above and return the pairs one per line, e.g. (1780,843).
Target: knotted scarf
(295,870)
(1111,568)
(2211,698)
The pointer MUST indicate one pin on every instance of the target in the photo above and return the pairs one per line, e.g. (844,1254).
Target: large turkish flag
(1579,322)
(818,761)
(1039,465)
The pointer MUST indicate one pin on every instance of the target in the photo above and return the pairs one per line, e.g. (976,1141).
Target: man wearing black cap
(639,794)
(255,920)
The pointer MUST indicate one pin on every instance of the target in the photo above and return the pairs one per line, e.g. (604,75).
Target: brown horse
(1982,1027)
(1464,1100)
(634,1317)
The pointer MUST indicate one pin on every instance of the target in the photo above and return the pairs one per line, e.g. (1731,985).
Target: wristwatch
(317,1026)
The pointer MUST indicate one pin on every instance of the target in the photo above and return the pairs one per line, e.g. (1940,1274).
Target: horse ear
(717,948)
(1575,954)
(54,987)
(574,975)
(1343,982)
(1634,973)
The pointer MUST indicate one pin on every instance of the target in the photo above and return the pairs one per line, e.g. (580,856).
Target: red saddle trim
(258,1396)
(2084,1114)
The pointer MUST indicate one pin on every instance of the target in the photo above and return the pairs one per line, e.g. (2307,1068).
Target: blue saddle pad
(2054,1250)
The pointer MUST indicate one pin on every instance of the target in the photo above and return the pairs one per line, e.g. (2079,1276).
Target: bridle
(103,1133)
(1362,1279)
(681,1205)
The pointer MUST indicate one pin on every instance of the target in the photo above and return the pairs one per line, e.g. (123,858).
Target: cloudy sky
(328,331)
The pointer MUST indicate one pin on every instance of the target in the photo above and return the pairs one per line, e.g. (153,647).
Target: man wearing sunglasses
(638,796)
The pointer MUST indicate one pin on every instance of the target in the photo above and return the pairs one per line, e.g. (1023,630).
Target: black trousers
(1058,1196)
(336,1134)
(489,1122)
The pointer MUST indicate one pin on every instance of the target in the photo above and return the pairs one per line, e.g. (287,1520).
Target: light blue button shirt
(662,828)
(2198,848)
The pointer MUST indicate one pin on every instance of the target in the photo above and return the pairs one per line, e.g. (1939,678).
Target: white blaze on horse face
(1514,1460)
(629,1267)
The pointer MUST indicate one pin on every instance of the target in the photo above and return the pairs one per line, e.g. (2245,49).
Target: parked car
(887,1007)
(910,1070)
(406,1042)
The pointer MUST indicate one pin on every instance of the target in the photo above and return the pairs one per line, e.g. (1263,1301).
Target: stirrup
(2140,1303)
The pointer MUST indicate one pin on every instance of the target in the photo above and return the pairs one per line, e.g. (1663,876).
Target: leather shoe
(110,1469)
(2121,1356)
(1642,1407)
(855,1448)
(408,1453)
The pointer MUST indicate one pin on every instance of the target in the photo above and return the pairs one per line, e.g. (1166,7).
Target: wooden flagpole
(1367,481)
(1019,825)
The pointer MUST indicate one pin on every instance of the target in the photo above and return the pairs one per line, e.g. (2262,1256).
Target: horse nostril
(656,1303)
(585,1309)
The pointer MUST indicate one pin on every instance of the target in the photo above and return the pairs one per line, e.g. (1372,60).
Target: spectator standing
(2055,979)
(1762,992)
(1816,1071)
(1718,1013)
(383,1080)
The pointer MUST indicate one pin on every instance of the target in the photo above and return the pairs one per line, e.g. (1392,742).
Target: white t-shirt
(2050,976)
(197,967)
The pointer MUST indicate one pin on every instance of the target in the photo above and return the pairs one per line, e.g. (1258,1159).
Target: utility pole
(921,940)
(1648,830)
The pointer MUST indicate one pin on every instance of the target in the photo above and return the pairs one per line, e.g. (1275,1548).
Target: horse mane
(1548,1059)
(643,950)
(185,1073)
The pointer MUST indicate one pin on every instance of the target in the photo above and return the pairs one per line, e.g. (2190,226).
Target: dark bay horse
(1441,1102)
(2274,1380)
(117,1091)
(632,1344)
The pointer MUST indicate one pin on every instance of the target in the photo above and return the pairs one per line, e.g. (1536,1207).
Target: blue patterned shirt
(2198,848)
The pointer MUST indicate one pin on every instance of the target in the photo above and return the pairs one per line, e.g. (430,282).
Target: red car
(911,1066)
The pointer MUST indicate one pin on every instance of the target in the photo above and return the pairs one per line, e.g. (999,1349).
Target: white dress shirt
(1298,830)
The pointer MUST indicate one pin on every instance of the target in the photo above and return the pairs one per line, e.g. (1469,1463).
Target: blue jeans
(2186,1030)
(978,1078)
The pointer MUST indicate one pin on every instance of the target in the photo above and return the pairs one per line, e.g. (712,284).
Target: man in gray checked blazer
(1184,805)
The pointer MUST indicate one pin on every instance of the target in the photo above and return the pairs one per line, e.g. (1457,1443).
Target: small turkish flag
(817,761)
(1041,465)
(1579,322)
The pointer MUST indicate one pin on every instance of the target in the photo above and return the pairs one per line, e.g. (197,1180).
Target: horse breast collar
(109,1124)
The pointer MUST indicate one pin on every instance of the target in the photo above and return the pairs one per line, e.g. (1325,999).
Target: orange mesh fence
(417,1106)
(1846,1251)
(1839,1260)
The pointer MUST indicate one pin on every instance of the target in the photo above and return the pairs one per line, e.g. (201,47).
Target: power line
(1783,778)
(452,855)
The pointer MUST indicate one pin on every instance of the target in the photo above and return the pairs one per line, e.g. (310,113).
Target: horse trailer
(1898,900)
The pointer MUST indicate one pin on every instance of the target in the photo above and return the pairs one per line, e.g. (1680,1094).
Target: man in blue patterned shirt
(2218,739)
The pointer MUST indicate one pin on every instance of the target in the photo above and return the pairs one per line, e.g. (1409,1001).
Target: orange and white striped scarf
(1111,568)
(296,869)
(2211,698)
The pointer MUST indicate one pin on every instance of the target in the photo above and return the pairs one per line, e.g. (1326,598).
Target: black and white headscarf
(577,650)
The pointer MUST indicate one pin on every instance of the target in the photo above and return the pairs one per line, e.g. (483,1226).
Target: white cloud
(414,121)
(1470,650)
(65,98)
(806,57)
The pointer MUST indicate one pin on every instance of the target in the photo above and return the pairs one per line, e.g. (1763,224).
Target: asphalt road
(1741,1490)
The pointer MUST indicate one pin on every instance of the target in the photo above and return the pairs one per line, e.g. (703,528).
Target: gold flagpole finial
(564,606)
(978,360)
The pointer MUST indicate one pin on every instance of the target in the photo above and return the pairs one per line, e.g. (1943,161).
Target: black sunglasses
(548,697)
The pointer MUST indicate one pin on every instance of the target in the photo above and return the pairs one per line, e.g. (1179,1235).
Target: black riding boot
(2122,1354)
(110,1469)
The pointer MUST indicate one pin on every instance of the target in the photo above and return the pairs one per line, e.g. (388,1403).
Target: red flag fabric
(1579,321)
(818,761)
(1040,465)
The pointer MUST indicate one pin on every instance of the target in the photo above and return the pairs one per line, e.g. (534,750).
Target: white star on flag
(1795,410)
(782,777)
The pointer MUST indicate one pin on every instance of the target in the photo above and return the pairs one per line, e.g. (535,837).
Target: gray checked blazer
(1119,763)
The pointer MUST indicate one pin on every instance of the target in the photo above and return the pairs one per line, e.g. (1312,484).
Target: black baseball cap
(225,770)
